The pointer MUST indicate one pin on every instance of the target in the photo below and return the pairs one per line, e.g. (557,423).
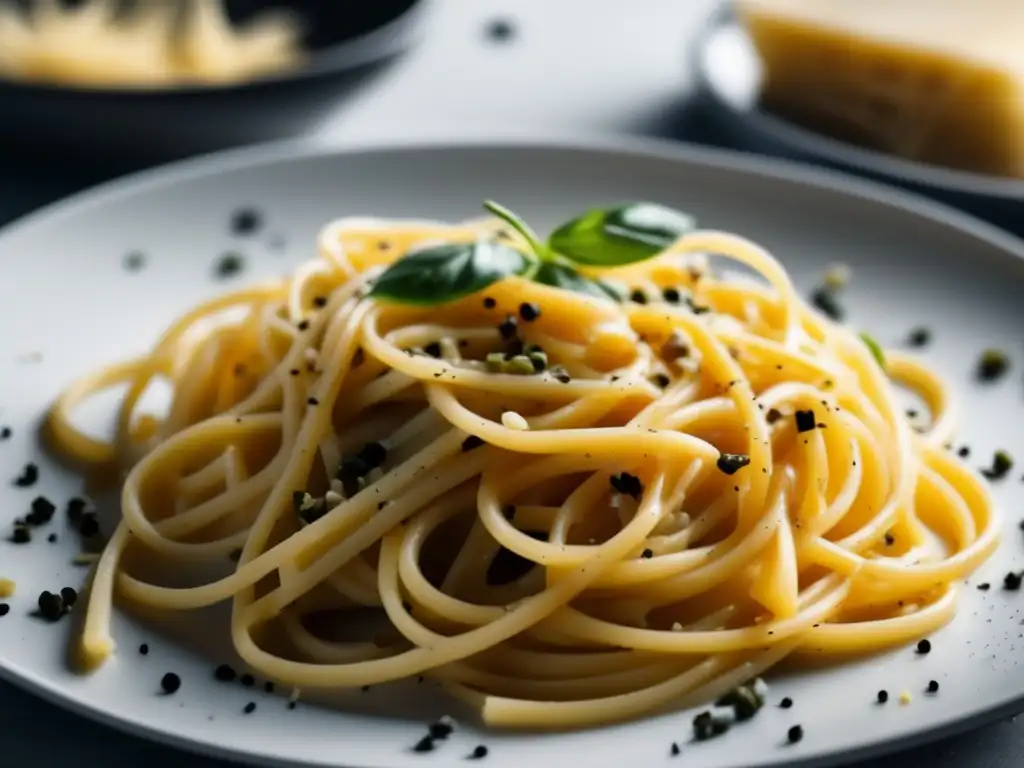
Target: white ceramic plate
(728,75)
(67,304)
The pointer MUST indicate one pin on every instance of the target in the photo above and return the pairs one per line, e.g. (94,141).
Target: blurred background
(924,94)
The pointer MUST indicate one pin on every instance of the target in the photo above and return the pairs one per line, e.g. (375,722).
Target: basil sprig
(602,237)
(448,272)
(621,235)
(568,279)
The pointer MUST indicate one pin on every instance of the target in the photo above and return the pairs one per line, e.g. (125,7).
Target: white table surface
(573,67)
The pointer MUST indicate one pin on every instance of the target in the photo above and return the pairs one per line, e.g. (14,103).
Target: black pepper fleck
(805,421)
(479,752)
(247,680)
(933,686)
(529,311)
(246,221)
(170,683)
(924,646)
(919,337)
(795,734)
(647,554)
(786,703)
(134,261)
(51,606)
(426,744)
(224,673)
(28,477)
(69,596)
(4,609)
(441,729)
(41,512)
(500,30)
(249,708)
(637,296)
(508,328)
(89,525)
(490,303)
(5,433)
(144,649)
(1012,581)
(627,484)
(674,750)
(883,696)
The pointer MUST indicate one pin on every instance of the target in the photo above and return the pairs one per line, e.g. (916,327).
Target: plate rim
(169,175)
(850,156)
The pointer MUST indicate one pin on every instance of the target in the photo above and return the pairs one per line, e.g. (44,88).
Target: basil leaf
(875,349)
(517,224)
(620,235)
(568,279)
(447,272)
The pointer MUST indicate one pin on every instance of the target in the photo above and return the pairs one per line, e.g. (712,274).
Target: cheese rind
(911,79)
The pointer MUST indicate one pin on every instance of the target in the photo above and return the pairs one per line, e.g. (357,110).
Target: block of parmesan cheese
(938,81)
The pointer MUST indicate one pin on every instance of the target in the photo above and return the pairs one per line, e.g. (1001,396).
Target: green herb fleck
(730,463)
(874,348)
(992,364)
(229,265)
(746,701)
(827,301)
(1002,463)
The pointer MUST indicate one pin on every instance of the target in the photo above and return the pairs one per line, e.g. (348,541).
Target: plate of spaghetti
(145,80)
(626,451)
